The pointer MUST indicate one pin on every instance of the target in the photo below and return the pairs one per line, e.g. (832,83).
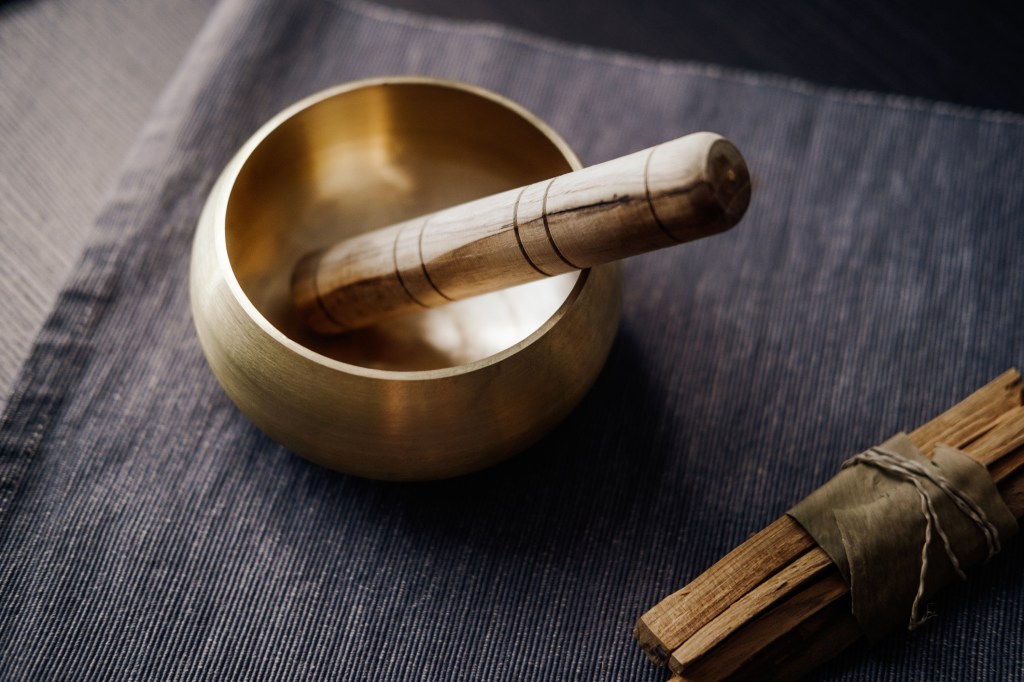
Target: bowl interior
(369,157)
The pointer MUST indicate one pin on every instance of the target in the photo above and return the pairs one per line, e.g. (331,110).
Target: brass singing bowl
(443,393)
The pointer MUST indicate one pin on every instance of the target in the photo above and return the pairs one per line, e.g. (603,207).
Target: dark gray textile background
(147,531)
(77,81)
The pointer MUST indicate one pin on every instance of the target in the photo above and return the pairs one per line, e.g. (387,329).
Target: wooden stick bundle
(776,606)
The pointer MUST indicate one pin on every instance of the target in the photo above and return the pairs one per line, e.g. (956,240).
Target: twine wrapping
(900,526)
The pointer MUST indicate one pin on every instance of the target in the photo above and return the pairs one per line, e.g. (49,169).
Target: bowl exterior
(389,424)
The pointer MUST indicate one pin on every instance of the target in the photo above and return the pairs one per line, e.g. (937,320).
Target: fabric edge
(637,61)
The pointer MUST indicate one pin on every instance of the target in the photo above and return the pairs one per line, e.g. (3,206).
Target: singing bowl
(435,395)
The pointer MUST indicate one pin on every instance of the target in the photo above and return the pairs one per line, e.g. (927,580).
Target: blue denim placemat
(148,531)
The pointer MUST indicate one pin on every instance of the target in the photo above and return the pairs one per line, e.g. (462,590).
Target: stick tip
(727,173)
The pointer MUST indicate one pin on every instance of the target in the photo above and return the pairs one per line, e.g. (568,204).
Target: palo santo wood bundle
(777,605)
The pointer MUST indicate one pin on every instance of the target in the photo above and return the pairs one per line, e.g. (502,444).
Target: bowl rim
(230,174)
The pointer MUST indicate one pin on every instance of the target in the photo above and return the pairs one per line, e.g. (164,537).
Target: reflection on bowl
(432,395)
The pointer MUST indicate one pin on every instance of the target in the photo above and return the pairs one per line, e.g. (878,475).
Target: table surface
(967,59)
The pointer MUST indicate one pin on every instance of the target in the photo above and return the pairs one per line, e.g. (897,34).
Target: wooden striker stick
(676,192)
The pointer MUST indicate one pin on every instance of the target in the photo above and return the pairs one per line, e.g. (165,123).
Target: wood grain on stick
(1005,435)
(970,418)
(813,564)
(770,626)
(691,187)
(671,622)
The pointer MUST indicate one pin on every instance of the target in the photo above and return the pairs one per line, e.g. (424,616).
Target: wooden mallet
(678,191)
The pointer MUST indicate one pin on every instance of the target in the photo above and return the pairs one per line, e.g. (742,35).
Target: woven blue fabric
(148,531)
